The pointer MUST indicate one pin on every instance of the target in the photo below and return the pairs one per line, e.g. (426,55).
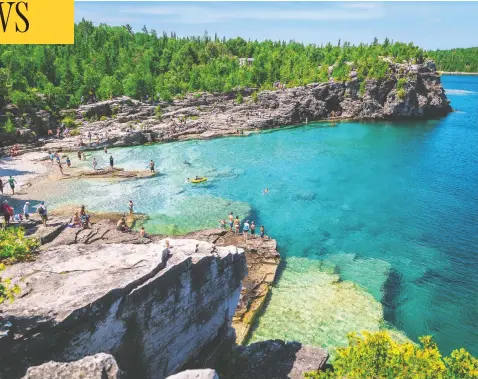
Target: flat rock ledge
(152,306)
(262,262)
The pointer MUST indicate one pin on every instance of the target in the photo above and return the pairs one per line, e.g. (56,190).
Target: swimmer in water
(264,191)
(186,162)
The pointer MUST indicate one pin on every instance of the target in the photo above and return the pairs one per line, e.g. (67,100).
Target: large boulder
(99,366)
(275,359)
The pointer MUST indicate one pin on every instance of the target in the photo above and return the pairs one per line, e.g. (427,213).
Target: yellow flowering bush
(7,291)
(378,356)
(14,246)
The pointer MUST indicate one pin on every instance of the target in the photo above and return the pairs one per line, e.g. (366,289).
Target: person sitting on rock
(75,221)
(85,219)
(122,226)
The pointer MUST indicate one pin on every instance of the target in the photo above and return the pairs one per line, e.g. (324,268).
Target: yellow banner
(37,22)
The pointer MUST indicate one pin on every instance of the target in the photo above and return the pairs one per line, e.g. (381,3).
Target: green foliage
(197,95)
(110,61)
(158,112)
(254,97)
(7,291)
(69,122)
(401,93)
(75,132)
(239,98)
(24,100)
(9,127)
(14,246)
(362,88)
(103,118)
(459,60)
(401,83)
(377,355)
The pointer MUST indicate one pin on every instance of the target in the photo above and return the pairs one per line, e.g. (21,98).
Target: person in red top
(7,211)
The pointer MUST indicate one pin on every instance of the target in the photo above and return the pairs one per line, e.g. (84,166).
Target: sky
(430,25)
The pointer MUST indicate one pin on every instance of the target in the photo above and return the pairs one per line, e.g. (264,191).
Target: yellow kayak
(200,180)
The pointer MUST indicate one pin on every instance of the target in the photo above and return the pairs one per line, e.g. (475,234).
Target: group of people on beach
(235,225)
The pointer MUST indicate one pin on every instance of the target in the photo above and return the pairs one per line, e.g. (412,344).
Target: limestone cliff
(152,307)
(407,91)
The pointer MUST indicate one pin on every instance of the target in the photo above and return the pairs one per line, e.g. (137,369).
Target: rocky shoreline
(65,305)
(410,91)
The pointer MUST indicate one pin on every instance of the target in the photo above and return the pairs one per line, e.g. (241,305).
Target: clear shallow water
(391,209)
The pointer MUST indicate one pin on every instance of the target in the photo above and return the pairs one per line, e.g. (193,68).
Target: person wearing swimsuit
(237,225)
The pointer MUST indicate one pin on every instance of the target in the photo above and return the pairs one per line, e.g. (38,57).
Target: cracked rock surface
(151,306)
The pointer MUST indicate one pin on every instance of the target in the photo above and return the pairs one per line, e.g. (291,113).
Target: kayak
(200,180)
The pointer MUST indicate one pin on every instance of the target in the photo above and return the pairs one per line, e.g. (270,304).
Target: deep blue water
(393,206)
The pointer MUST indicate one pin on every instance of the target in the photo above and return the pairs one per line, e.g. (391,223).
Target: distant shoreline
(457,73)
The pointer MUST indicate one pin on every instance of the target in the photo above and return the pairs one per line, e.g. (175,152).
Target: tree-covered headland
(110,61)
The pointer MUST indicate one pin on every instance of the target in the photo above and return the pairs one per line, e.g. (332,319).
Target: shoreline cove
(349,276)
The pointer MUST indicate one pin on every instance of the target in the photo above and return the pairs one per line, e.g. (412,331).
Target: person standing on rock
(253,229)
(42,211)
(111,162)
(89,136)
(12,182)
(151,165)
(68,162)
(26,212)
(237,225)
(95,164)
(262,231)
(231,221)
(5,209)
(245,230)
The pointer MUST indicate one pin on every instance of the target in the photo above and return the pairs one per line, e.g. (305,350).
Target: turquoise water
(377,222)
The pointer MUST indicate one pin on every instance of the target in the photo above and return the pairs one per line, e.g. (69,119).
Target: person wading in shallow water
(151,165)
(131,207)
(111,162)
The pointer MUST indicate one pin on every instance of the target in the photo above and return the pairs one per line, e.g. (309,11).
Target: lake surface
(377,222)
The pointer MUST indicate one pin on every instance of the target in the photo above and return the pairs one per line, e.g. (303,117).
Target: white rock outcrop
(152,307)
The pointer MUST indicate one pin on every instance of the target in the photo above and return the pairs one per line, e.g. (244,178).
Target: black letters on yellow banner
(19,18)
